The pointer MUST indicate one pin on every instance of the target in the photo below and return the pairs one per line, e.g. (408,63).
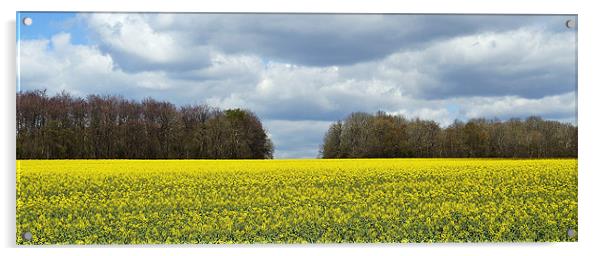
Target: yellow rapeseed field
(295,201)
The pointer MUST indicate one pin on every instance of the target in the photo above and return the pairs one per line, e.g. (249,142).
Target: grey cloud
(304,39)
(475,81)
(133,63)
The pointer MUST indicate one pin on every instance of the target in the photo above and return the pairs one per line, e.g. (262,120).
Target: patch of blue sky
(47,24)
(453,109)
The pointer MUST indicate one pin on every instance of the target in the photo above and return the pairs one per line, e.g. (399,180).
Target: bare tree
(64,126)
(383,135)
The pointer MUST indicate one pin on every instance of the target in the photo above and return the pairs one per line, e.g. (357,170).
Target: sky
(301,72)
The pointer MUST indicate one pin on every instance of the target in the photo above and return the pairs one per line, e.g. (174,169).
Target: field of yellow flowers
(295,201)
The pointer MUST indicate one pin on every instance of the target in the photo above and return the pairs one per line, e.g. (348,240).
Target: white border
(589,121)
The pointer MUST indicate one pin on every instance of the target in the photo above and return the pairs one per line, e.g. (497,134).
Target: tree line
(364,135)
(111,127)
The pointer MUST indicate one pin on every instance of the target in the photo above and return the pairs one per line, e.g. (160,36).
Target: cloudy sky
(301,72)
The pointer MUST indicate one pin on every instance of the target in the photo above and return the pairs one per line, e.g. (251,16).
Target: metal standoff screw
(27,21)
(571,232)
(570,23)
(27,236)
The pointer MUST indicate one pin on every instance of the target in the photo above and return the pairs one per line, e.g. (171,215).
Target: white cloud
(523,49)
(554,107)
(138,46)
(440,115)
(131,34)
(57,65)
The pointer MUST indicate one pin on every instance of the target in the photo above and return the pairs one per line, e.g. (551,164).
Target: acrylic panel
(203,128)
